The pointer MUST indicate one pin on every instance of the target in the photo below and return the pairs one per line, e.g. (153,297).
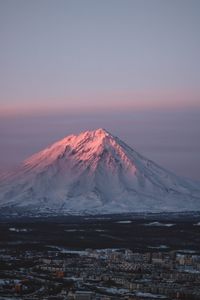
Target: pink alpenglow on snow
(97,173)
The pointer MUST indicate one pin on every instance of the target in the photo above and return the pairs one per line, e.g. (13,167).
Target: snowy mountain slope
(95,172)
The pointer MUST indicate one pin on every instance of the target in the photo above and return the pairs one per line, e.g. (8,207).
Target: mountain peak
(96,134)
(92,140)
(101,132)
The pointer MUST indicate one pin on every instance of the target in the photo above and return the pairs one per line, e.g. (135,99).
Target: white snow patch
(124,222)
(19,229)
(197,224)
(159,247)
(159,224)
(150,295)
(74,230)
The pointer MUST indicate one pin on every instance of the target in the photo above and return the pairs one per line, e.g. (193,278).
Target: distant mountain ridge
(94,172)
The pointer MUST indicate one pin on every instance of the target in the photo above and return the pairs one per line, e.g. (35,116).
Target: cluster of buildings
(107,274)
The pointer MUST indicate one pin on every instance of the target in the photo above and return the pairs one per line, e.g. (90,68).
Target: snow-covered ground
(161,247)
(94,173)
(159,224)
(150,295)
(19,229)
(124,222)
(197,224)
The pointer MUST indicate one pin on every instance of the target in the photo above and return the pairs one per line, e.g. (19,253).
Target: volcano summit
(94,172)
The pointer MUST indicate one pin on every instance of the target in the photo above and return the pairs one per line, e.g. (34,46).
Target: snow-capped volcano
(95,172)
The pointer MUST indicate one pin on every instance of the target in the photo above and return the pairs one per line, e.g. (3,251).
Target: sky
(130,66)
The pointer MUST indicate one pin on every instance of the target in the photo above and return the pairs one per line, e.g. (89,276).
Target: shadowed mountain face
(94,172)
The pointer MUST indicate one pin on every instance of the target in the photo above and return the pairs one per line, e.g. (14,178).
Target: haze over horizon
(129,66)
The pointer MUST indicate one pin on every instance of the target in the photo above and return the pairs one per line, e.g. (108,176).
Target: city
(61,274)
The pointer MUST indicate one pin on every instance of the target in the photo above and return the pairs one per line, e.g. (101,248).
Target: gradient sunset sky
(131,66)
